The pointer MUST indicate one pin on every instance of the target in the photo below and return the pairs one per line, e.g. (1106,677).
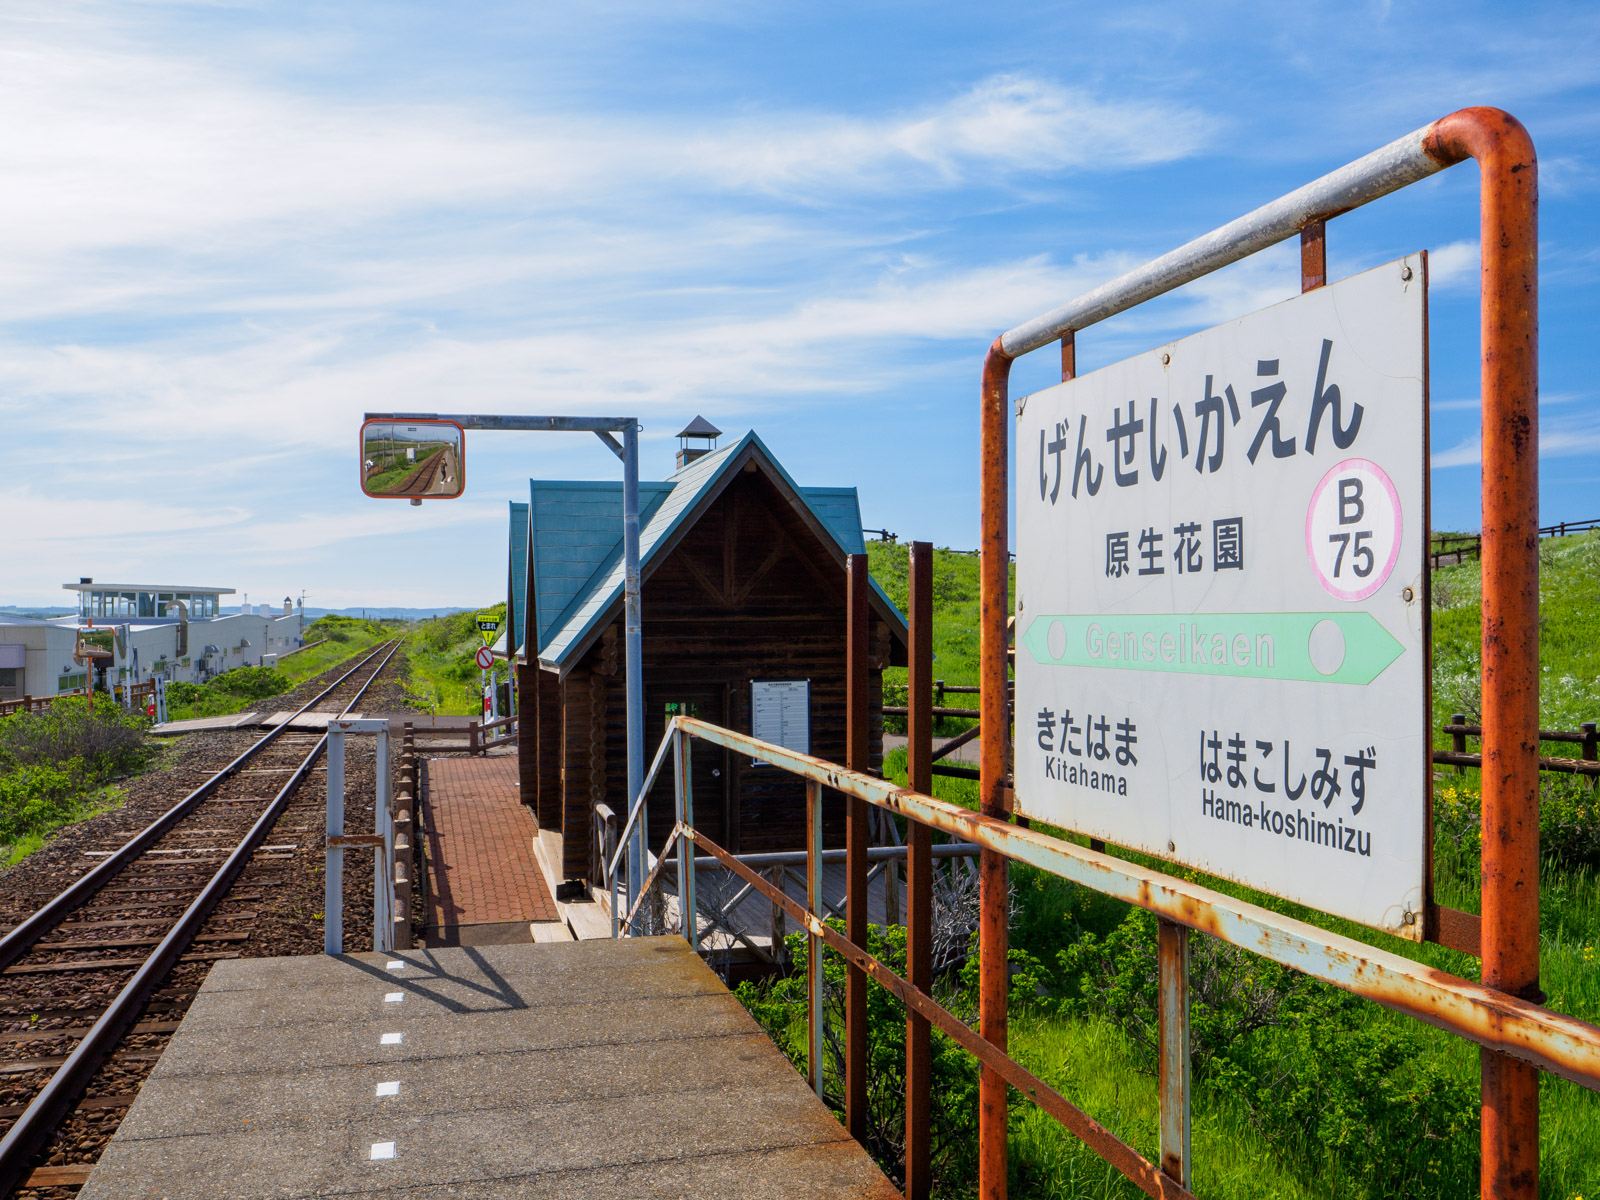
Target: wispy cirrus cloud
(1567,437)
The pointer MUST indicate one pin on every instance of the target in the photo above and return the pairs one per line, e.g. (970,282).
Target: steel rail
(22,938)
(1493,1018)
(33,1128)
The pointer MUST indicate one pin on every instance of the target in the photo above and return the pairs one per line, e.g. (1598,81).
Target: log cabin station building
(743,595)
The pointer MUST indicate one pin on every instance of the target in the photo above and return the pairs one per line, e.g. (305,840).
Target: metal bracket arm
(515,423)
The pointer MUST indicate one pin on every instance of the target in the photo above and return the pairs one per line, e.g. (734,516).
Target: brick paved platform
(481,869)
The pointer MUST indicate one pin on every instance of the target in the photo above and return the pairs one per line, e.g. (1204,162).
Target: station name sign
(1221,556)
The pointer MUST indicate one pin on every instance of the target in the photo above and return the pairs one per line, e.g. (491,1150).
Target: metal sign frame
(1509,283)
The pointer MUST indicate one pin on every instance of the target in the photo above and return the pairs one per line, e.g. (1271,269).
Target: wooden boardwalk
(579,1070)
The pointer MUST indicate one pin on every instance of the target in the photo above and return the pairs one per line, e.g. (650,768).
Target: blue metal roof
(518,581)
(577,538)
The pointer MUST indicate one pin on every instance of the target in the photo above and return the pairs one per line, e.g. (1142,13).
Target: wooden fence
(1449,548)
(35,703)
(1588,737)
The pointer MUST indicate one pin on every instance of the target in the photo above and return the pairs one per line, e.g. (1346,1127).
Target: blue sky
(229,229)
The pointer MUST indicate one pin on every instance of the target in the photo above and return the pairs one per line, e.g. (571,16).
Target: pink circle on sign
(1334,576)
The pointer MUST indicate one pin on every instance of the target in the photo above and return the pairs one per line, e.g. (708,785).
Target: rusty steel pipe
(1509,334)
(1313,256)
(1555,1042)
(1139,1170)
(919,873)
(1172,972)
(994,934)
(1509,274)
(857,757)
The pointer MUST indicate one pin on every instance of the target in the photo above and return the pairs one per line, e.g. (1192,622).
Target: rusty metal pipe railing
(1402,162)
(1508,207)
(1506,1025)
(857,837)
(994,607)
(1509,316)
(919,873)
(1494,1019)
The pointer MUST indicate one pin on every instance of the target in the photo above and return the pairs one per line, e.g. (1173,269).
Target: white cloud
(1565,440)
(1005,123)
(1453,265)
(114,143)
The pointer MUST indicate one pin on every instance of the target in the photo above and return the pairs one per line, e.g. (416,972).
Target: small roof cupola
(696,439)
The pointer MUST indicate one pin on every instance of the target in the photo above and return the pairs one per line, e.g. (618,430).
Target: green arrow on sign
(1326,647)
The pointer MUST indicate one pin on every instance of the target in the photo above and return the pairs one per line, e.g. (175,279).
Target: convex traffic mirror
(412,460)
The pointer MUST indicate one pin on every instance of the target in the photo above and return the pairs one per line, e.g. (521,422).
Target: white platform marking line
(391,1088)
(382,1150)
(390,1039)
(394,997)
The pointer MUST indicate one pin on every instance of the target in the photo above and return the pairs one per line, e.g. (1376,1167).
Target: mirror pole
(638,850)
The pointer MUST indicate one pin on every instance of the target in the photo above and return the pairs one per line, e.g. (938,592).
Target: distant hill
(43,614)
(376,612)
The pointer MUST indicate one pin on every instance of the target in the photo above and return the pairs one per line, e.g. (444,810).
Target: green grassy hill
(444,677)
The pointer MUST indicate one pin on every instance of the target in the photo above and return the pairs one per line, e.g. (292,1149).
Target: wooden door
(708,762)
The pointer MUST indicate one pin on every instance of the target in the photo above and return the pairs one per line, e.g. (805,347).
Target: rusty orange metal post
(816,1011)
(1172,971)
(1313,256)
(994,934)
(919,872)
(1509,224)
(857,758)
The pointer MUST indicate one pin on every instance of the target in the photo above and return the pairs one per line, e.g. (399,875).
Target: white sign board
(1220,618)
(780,712)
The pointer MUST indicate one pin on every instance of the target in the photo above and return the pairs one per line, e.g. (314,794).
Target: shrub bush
(37,799)
(104,738)
(249,683)
(780,1006)
(1317,1069)
(53,762)
(1569,821)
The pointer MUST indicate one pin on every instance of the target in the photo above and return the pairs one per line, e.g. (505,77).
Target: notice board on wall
(780,713)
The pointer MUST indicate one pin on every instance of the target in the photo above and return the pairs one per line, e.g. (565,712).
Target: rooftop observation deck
(576,1069)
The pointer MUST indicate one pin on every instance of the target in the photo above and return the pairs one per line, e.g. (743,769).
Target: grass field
(234,691)
(444,677)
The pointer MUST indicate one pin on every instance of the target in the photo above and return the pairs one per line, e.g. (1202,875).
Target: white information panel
(1220,618)
(780,712)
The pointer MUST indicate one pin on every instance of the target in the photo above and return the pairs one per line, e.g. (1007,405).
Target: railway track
(95,980)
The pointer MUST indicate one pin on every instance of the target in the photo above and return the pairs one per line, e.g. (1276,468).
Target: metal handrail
(1553,1041)
(1498,1021)
(627,830)
(638,803)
